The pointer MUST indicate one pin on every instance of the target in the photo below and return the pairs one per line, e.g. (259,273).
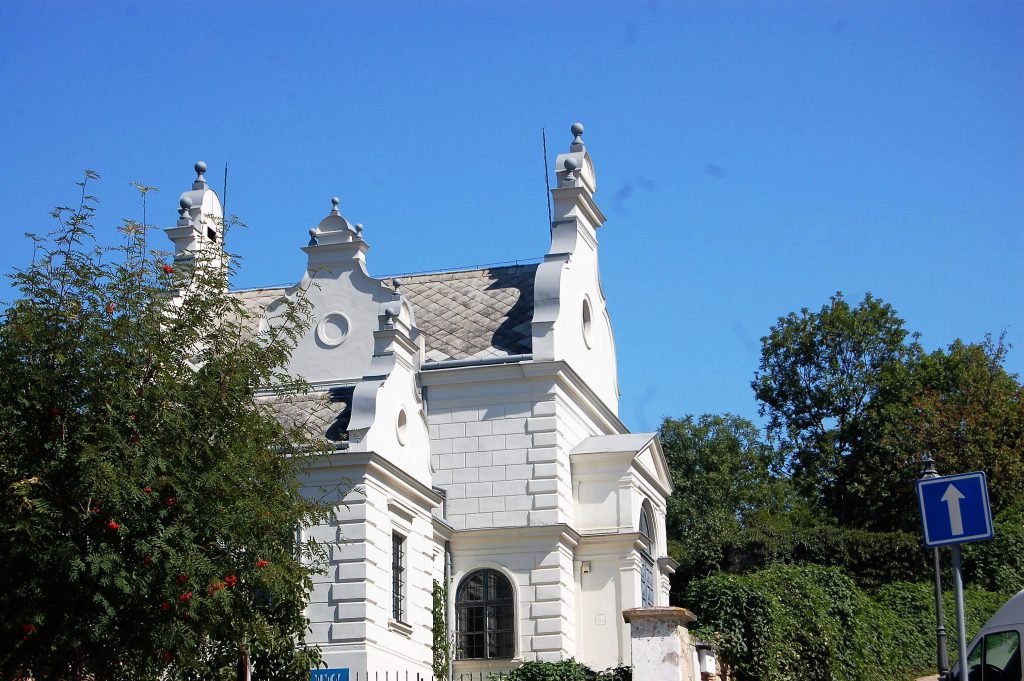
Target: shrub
(998,565)
(811,622)
(870,558)
(564,670)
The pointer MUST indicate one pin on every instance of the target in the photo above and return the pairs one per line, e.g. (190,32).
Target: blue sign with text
(955,509)
(329,675)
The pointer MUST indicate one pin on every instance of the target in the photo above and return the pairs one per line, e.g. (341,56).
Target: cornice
(557,370)
(513,536)
(382,469)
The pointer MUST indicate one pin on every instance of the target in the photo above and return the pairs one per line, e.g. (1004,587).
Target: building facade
(473,419)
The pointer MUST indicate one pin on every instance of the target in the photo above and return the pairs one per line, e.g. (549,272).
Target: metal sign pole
(961,626)
(941,653)
(940,623)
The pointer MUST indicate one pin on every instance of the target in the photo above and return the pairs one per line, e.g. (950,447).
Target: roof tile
(475,313)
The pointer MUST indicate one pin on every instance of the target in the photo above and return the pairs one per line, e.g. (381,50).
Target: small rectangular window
(398,577)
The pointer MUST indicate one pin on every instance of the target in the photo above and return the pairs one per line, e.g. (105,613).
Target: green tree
(148,500)
(854,404)
(819,373)
(726,480)
(959,405)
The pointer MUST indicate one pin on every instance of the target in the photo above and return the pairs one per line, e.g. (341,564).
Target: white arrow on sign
(952,498)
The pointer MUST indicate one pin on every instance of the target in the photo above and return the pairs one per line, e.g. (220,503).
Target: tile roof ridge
(504,265)
(253,289)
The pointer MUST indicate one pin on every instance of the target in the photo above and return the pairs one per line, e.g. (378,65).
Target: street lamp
(942,654)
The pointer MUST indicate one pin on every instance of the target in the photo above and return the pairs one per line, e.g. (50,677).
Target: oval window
(402,427)
(588,321)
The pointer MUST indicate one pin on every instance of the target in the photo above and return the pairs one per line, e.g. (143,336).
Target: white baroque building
(475,414)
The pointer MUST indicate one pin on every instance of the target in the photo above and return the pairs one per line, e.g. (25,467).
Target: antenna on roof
(547,178)
(224,205)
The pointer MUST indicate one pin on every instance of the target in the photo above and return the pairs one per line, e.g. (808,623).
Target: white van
(994,654)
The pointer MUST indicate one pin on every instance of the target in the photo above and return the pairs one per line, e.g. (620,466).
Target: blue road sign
(329,675)
(954,509)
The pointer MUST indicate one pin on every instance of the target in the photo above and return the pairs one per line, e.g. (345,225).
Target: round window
(332,329)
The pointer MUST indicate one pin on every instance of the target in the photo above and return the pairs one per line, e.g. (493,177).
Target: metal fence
(419,676)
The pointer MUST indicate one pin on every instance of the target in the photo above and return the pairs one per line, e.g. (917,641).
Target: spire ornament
(577,141)
(184,205)
(572,171)
(200,181)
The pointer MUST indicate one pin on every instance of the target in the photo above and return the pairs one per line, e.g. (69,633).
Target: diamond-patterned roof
(319,414)
(474,313)
(255,300)
(485,312)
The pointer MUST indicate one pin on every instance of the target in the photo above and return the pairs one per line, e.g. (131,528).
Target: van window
(996,658)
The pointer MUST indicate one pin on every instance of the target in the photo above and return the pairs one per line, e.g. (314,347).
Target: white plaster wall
(610,491)
(568,278)
(496,456)
(540,568)
(350,607)
(595,360)
(600,610)
(410,452)
(500,450)
(341,286)
(464,420)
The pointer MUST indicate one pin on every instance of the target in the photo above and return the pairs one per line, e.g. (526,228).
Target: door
(995,657)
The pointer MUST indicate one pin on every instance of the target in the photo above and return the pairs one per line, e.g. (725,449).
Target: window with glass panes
(485,616)
(995,657)
(646,561)
(398,577)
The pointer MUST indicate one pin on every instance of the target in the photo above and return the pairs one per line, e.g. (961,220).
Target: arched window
(646,559)
(485,616)
(646,533)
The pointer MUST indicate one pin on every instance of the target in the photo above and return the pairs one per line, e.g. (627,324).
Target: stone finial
(359,230)
(577,141)
(200,181)
(312,236)
(571,171)
(334,203)
(184,204)
(397,284)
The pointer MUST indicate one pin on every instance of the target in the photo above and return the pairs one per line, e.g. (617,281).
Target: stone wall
(498,463)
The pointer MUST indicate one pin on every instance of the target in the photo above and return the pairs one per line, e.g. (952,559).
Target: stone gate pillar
(661,644)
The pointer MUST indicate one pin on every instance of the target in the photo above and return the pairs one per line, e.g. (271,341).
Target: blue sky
(752,157)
